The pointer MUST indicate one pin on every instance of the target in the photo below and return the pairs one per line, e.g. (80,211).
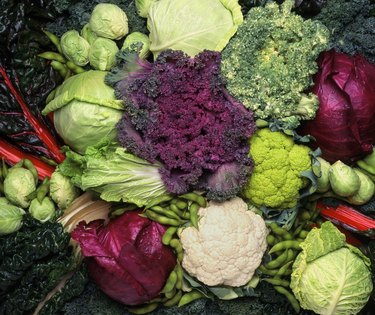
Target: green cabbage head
(192,25)
(85,110)
(330,276)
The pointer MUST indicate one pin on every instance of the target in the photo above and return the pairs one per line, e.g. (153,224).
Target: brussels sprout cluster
(97,43)
(23,193)
(346,182)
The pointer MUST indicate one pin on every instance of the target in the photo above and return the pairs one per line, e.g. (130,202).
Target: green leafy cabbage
(85,110)
(116,174)
(329,276)
(184,24)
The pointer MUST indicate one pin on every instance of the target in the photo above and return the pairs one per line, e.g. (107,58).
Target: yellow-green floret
(278,163)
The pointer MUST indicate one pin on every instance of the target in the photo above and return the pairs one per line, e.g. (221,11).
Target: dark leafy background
(21,39)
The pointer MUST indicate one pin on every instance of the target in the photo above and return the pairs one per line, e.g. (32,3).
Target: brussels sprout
(323,184)
(109,21)
(61,190)
(137,37)
(365,192)
(88,34)
(18,184)
(103,54)
(143,6)
(42,211)
(344,180)
(10,218)
(4,201)
(75,48)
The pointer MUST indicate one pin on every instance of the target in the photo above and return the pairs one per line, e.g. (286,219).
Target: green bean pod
(1,187)
(165,212)
(305,215)
(280,231)
(190,297)
(161,219)
(285,245)
(303,234)
(147,308)
(271,240)
(277,262)
(268,272)
(200,200)
(168,235)
(4,169)
(299,228)
(180,204)
(293,301)
(277,281)
(193,209)
(54,40)
(170,294)
(30,166)
(75,68)
(176,245)
(284,270)
(58,66)
(180,276)
(175,209)
(174,300)
(170,283)
(43,190)
(51,55)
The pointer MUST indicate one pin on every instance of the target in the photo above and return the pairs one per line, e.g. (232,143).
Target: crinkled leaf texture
(183,25)
(330,276)
(344,126)
(179,114)
(126,258)
(116,174)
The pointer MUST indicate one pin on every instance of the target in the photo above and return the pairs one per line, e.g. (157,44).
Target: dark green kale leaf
(21,250)
(72,288)
(37,282)
(352,26)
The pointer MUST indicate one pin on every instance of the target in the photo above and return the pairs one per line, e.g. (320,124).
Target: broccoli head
(276,178)
(270,62)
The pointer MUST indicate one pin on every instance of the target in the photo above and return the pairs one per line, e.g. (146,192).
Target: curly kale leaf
(352,26)
(178,113)
(21,250)
(270,62)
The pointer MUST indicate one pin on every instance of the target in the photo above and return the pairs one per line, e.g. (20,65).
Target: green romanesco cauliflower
(270,62)
(278,163)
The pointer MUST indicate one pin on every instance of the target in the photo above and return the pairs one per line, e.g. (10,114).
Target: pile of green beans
(59,63)
(182,210)
(284,248)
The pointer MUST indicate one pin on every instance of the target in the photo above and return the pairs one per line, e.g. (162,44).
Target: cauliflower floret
(276,178)
(228,245)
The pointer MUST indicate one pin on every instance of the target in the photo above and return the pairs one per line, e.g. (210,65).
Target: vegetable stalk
(13,155)
(41,130)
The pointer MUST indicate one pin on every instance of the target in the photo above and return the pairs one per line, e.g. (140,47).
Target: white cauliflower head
(228,245)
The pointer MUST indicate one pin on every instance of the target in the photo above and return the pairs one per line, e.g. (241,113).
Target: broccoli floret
(352,26)
(270,62)
(276,178)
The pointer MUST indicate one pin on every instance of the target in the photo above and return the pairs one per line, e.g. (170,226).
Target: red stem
(12,155)
(348,216)
(41,130)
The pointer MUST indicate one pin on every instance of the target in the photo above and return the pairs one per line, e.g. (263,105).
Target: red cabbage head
(126,257)
(344,125)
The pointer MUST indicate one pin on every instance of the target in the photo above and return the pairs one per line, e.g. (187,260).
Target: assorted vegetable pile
(187,157)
